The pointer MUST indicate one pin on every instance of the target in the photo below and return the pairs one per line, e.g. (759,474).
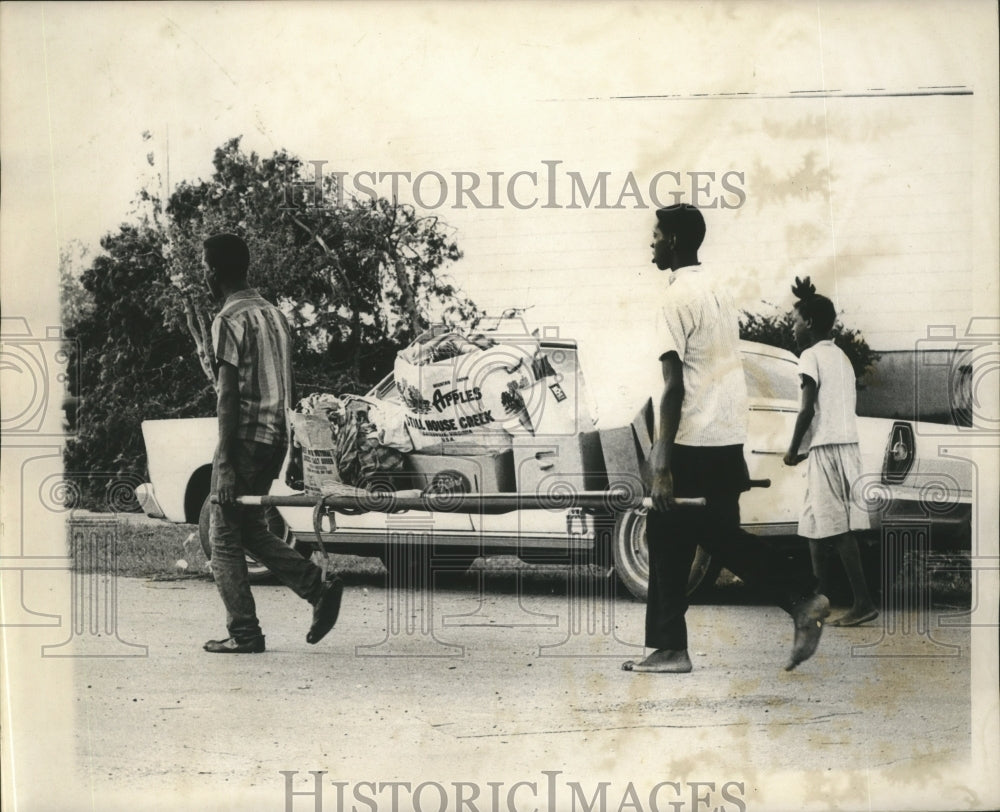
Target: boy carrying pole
(699,453)
(251,346)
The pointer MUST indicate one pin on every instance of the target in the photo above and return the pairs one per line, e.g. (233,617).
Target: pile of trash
(458,389)
(454,394)
(339,442)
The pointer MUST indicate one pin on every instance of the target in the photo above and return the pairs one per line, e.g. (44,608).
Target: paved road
(463,684)
(496,685)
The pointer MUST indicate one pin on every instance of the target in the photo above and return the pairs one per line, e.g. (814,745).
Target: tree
(358,279)
(75,303)
(131,364)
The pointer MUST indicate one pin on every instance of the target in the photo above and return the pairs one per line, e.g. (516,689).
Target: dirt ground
(500,684)
(497,690)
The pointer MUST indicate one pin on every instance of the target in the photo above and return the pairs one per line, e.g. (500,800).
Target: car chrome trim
(777,529)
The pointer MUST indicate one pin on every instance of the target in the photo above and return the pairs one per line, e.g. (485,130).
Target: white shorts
(828,509)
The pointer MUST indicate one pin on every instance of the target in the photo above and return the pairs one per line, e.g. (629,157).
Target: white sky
(874,196)
(888,201)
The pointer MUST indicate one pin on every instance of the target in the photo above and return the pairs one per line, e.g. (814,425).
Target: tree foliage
(357,278)
(132,365)
(75,302)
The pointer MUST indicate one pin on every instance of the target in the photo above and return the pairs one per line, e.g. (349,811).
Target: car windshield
(386,389)
(770,378)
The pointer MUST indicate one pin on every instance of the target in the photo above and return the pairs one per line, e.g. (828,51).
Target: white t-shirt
(836,396)
(699,322)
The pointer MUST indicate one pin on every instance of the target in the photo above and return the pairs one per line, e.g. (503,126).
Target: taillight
(899,454)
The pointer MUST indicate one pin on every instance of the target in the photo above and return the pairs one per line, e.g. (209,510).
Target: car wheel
(258,572)
(631,557)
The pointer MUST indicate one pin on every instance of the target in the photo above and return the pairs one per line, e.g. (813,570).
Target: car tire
(259,574)
(631,558)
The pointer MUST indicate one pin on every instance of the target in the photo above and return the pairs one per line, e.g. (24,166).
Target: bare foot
(661,661)
(855,617)
(809,619)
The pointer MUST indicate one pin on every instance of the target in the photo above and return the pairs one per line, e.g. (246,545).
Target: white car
(899,485)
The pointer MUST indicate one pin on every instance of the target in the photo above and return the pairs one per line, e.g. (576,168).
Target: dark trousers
(236,530)
(719,474)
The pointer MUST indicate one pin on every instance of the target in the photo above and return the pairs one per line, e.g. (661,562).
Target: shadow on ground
(164,551)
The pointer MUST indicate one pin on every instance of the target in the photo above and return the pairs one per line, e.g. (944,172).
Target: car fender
(179,456)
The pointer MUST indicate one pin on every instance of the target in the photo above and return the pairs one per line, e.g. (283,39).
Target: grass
(948,576)
(144,548)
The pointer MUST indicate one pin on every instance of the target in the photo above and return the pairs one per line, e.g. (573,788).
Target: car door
(773,510)
(773,393)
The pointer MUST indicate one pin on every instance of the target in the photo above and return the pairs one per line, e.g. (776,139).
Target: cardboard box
(557,404)
(481,473)
(547,463)
(626,451)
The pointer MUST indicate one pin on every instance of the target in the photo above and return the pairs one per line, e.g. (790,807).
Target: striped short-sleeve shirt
(253,335)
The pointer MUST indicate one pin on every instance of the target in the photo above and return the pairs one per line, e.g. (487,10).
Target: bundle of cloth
(363,458)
